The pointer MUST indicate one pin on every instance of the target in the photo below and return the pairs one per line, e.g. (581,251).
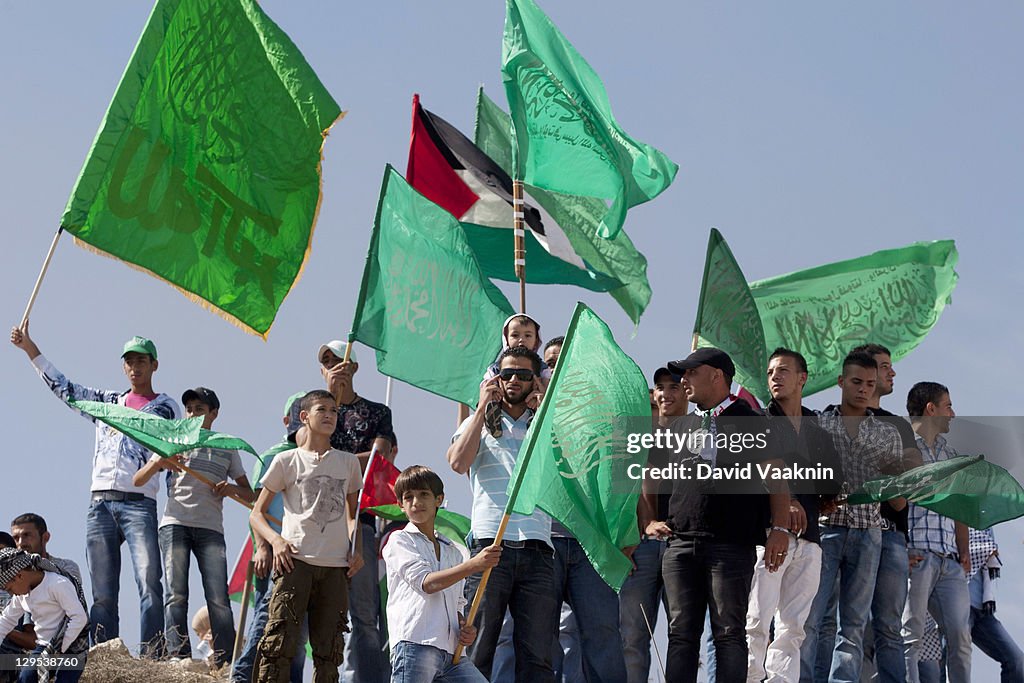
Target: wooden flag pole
(42,273)
(238,499)
(243,614)
(475,607)
(519,230)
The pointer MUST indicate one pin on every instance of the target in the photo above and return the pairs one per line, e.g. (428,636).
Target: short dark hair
(789,353)
(6,540)
(557,341)
(30,518)
(418,477)
(872,350)
(921,394)
(312,397)
(861,358)
(522,352)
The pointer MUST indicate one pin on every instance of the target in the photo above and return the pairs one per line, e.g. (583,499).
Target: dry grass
(110,662)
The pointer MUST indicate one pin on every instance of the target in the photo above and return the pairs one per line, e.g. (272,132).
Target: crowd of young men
(797,585)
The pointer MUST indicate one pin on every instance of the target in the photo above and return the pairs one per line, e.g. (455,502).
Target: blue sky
(806,132)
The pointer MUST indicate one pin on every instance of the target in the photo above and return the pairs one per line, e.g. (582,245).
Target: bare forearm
(259,524)
(963,535)
(462,453)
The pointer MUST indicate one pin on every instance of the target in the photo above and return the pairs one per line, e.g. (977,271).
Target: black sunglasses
(521,373)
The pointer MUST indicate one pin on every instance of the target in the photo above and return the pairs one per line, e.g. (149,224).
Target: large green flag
(164,437)
(206,168)
(892,297)
(568,141)
(579,218)
(424,304)
(727,315)
(968,489)
(574,463)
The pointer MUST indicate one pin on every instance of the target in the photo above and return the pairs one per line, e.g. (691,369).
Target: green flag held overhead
(568,141)
(892,297)
(164,437)
(579,218)
(206,168)
(424,304)
(727,315)
(574,463)
(968,489)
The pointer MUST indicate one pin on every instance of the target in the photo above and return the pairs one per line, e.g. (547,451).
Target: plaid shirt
(930,530)
(877,445)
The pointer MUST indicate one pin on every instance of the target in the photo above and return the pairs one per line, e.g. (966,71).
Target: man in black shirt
(786,595)
(716,523)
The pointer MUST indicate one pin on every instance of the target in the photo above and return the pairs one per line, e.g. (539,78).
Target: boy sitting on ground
(55,600)
(313,553)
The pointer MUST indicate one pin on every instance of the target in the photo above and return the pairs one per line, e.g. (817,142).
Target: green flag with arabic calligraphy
(424,304)
(206,168)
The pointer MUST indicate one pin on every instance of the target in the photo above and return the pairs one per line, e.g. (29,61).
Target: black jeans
(702,574)
(523,582)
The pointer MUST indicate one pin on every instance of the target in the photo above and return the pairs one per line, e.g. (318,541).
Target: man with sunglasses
(524,580)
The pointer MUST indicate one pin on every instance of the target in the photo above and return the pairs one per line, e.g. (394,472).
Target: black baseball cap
(661,372)
(716,358)
(203,395)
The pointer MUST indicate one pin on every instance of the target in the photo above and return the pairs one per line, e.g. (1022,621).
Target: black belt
(117,495)
(530,543)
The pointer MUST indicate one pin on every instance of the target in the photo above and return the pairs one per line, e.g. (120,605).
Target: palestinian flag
(448,169)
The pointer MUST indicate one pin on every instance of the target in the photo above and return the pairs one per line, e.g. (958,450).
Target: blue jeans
(415,663)
(365,661)
(645,587)
(503,668)
(524,583)
(595,607)
(246,662)
(566,659)
(992,638)
(177,543)
(107,526)
(701,575)
(938,586)
(890,595)
(850,556)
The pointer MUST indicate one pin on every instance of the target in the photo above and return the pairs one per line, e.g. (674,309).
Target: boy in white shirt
(313,554)
(57,605)
(426,574)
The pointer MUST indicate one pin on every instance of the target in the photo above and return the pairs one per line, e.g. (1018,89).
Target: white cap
(337,347)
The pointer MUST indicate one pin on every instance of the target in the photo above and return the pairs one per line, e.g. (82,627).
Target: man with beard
(524,579)
(716,523)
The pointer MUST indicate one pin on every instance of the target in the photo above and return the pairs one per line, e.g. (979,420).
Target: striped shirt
(489,476)
(930,530)
(876,446)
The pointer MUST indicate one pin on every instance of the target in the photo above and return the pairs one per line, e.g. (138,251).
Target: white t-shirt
(314,491)
(48,602)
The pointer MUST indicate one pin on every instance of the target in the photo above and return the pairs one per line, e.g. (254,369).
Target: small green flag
(574,463)
(206,168)
(968,489)
(424,304)
(579,218)
(892,297)
(164,437)
(568,141)
(727,315)
(451,524)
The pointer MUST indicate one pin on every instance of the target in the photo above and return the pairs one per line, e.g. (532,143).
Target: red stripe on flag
(379,488)
(431,174)
(236,584)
